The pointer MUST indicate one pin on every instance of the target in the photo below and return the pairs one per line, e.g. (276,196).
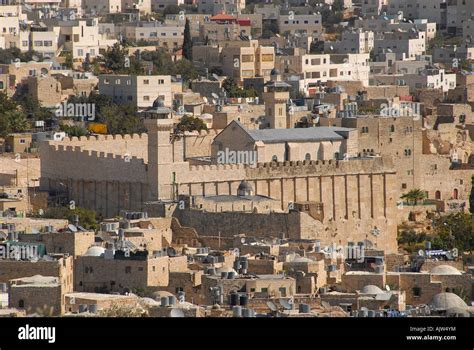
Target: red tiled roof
(222,17)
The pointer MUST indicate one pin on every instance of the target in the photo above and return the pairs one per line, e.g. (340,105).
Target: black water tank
(244,300)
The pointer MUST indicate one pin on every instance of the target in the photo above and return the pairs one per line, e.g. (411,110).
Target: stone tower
(276,98)
(165,159)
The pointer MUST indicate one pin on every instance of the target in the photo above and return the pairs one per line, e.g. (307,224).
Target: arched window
(438,195)
(455,193)
(336,155)
(307,156)
(392,128)
(274,158)
(21,303)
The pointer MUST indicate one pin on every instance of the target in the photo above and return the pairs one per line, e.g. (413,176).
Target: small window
(128,269)
(416,291)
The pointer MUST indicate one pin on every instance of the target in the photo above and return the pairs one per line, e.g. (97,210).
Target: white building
(322,68)
(141,90)
(359,41)
(406,45)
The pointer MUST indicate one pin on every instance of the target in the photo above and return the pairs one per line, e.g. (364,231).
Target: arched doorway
(455,193)
(438,195)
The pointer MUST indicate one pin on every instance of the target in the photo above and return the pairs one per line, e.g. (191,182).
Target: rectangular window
(247,58)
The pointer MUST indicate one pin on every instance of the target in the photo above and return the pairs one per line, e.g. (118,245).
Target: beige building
(42,295)
(104,270)
(140,90)
(101,7)
(247,59)
(310,25)
(274,145)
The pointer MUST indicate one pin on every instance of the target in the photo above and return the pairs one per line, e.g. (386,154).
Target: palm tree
(414,196)
(16,121)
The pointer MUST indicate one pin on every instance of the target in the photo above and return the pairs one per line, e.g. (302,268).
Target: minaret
(165,154)
(276,98)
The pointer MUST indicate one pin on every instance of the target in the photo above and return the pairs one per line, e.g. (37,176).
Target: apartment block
(140,90)
(248,61)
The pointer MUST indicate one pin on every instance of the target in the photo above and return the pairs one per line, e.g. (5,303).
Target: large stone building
(123,173)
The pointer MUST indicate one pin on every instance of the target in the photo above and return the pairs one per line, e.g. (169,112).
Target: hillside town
(237,158)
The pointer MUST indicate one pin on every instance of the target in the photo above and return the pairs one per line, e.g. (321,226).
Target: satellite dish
(387,288)
(176,313)
(325,305)
(272,306)
(205,99)
(72,228)
(242,240)
(35,58)
(421,252)
(215,95)
(286,304)
(215,76)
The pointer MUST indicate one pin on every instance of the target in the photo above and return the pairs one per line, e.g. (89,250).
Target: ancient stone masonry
(357,194)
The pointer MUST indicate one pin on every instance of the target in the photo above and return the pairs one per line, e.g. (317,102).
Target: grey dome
(371,289)
(448,301)
(444,270)
(95,251)
(158,103)
(245,189)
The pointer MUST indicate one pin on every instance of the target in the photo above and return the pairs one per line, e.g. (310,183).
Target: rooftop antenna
(272,306)
(286,304)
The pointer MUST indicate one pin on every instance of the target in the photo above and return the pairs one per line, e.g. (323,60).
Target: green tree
(187,42)
(186,69)
(338,5)
(68,60)
(454,231)
(414,196)
(11,54)
(16,121)
(74,130)
(171,10)
(87,217)
(121,119)
(190,123)
(114,58)
(233,90)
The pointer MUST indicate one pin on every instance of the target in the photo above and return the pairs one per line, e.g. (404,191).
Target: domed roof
(95,251)
(444,270)
(160,294)
(302,259)
(447,301)
(371,289)
(226,269)
(158,103)
(244,189)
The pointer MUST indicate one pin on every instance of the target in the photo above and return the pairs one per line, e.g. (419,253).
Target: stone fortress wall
(358,194)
